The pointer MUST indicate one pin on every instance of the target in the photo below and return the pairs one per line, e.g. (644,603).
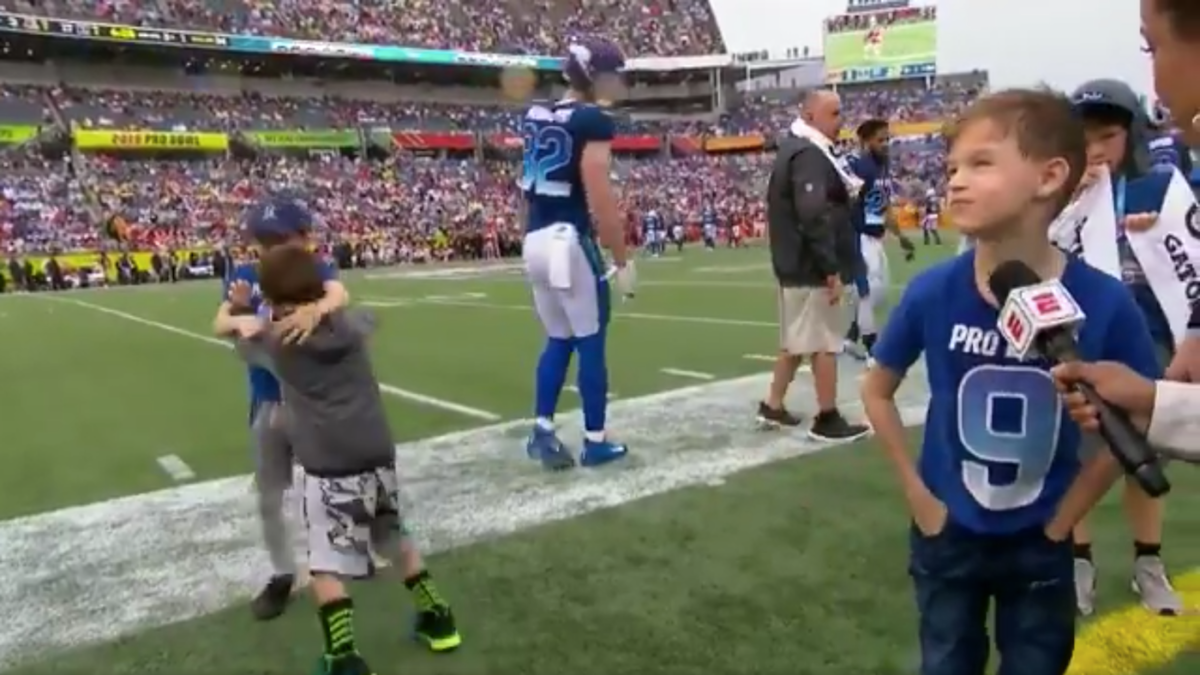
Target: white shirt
(1175,421)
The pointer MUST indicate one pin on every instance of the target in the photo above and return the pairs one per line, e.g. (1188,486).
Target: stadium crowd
(662,27)
(406,201)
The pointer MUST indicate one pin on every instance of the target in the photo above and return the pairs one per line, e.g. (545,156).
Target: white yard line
(759,357)
(620,313)
(398,392)
(690,374)
(176,468)
(115,568)
(575,390)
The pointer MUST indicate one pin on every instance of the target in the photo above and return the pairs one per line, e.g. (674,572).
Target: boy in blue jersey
(1117,130)
(566,185)
(278,221)
(999,484)
(873,220)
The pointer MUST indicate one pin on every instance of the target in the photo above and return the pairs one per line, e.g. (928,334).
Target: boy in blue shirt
(278,221)
(999,484)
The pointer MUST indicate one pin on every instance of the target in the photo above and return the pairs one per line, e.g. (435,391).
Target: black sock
(425,594)
(1082,552)
(1141,548)
(852,334)
(868,341)
(337,623)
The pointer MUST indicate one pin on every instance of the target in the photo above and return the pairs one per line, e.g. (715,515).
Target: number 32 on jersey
(548,150)
(1009,419)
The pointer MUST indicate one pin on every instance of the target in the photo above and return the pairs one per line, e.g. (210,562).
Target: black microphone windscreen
(1009,276)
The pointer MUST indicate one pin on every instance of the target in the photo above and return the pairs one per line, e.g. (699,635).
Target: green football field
(130,544)
(903,43)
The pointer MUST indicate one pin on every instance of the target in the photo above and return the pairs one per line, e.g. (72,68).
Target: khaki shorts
(808,324)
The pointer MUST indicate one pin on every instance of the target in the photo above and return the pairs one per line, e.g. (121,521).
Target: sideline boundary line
(398,392)
(618,314)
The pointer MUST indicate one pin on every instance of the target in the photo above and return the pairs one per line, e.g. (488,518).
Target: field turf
(715,548)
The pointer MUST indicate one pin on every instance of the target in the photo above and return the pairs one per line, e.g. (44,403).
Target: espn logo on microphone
(1031,310)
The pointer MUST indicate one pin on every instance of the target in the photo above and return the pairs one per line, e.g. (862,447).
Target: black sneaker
(774,418)
(274,597)
(831,427)
(350,664)
(437,630)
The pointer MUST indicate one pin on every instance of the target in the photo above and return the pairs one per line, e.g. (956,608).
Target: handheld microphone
(1040,317)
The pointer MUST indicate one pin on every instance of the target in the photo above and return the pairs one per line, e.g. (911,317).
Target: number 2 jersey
(999,449)
(555,136)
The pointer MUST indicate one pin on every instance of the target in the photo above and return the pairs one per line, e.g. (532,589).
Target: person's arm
(235,301)
(809,173)
(1175,420)
(900,345)
(1127,341)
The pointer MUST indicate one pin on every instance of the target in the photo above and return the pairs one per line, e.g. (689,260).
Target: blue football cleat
(597,453)
(545,447)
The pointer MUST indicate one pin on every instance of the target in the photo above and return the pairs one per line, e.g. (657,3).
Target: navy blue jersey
(999,449)
(871,210)
(651,222)
(555,136)
(263,385)
(933,205)
(1168,152)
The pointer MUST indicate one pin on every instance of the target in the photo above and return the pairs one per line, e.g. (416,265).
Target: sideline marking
(575,390)
(422,399)
(620,314)
(176,468)
(130,564)
(690,374)
(1132,640)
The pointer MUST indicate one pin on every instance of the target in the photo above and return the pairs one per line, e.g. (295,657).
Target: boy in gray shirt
(334,416)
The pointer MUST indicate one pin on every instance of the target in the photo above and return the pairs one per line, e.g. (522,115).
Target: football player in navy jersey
(999,484)
(873,219)
(708,222)
(278,221)
(931,209)
(566,186)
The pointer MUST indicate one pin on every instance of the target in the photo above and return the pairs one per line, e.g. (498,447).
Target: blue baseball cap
(278,216)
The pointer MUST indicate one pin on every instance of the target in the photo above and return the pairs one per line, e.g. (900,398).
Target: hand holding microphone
(1040,317)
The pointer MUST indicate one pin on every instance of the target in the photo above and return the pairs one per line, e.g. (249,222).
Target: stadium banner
(734,143)
(903,130)
(17,133)
(687,145)
(86,139)
(505,141)
(419,140)
(91,30)
(636,143)
(882,50)
(323,138)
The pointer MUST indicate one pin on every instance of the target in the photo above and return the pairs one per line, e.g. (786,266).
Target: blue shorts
(959,575)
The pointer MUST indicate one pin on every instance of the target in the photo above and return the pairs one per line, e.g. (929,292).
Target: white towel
(853,183)
(1168,252)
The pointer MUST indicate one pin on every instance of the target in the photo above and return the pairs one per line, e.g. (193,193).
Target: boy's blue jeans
(959,574)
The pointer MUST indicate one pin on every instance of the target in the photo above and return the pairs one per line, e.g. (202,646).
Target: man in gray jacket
(814,252)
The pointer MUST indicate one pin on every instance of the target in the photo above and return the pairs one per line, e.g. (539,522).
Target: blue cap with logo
(279,216)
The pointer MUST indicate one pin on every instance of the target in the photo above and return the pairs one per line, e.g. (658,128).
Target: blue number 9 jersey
(554,138)
(998,449)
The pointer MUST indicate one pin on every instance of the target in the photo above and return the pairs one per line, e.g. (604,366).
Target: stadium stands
(409,165)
